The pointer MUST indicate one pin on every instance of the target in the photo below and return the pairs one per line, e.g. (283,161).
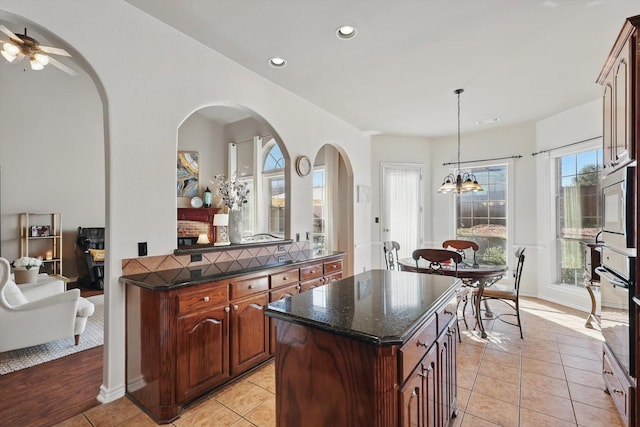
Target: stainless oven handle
(614,280)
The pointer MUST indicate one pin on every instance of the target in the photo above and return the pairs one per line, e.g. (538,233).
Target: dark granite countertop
(378,306)
(189,276)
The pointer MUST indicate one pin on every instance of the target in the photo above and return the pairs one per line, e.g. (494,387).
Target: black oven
(617,312)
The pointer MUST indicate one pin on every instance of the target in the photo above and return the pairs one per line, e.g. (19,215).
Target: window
(273,183)
(319,210)
(482,216)
(577,211)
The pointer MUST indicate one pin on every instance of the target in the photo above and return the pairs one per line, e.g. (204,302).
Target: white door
(402,206)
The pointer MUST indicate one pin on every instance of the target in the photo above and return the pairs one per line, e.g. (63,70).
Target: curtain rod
(566,145)
(517,156)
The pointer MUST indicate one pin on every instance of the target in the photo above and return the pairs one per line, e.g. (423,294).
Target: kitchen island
(374,349)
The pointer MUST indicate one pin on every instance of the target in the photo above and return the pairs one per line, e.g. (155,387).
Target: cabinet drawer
(310,284)
(415,348)
(331,267)
(242,288)
(333,277)
(311,272)
(286,291)
(445,314)
(285,278)
(616,384)
(202,299)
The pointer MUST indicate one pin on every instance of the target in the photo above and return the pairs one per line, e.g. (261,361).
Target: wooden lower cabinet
(428,396)
(184,342)
(419,405)
(249,333)
(202,352)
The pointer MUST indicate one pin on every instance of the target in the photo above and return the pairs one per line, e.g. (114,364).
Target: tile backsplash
(228,259)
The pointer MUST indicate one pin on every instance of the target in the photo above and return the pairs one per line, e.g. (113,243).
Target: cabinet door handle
(607,372)
(311,271)
(205,299)
(421,344)
(616,391)
(250,286)
(227,309)
(448,312)
(235,306)
(298,287)
(285,278)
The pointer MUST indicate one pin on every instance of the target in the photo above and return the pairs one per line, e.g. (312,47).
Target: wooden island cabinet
(374,349)
(188,334)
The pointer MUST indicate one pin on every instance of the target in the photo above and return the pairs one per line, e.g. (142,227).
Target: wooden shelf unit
(39,243)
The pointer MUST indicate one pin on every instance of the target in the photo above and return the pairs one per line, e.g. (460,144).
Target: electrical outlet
(142,248)
(196,257)
(297,237)
(196,273)
(308,235)
(281,258)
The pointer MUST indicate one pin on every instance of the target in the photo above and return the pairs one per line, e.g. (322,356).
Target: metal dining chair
(391,248)
(435,258)
(460,246)
(508,295)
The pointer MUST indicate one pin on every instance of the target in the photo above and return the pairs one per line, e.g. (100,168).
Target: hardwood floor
(52,392)
(47,394)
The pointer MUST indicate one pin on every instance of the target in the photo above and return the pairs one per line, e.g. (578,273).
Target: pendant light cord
(459,91)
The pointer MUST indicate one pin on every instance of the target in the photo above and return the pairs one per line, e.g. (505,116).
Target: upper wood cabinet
(621,97)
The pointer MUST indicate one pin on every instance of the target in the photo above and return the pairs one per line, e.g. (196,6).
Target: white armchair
(37,313)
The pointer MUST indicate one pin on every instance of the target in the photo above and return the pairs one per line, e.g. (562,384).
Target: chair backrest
(460,246)
(436,257)
(5,271)
(90,238)
(390,249)
(518,271)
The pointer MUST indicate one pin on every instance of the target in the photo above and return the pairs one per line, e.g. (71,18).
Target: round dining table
(477,275)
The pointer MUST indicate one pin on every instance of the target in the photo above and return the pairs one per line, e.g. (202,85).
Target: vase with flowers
(26,269)
(234,195)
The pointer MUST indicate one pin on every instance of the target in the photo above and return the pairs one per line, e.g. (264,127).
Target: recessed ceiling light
(488,121)
(346,32)
(277,62)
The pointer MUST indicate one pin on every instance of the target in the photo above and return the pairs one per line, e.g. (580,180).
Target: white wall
(578,124)
(147,100)
(51,154)
(203,135)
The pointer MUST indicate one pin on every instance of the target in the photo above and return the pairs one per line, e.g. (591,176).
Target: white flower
(234,193)
(27,262)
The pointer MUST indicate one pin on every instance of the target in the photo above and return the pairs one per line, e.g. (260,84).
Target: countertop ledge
(166,280)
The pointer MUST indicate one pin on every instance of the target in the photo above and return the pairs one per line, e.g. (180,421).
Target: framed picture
(40,231)
(187,173)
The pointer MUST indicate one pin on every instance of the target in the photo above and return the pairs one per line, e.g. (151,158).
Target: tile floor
(551,378)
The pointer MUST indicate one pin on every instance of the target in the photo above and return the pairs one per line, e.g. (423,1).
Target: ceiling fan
(21,45)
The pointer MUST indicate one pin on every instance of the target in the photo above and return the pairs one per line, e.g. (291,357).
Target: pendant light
(461,182)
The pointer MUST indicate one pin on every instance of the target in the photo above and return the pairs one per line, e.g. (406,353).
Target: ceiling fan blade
(54,50)
(63,67)
(11,35)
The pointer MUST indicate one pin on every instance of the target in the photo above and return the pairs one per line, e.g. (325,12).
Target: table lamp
(203,239)
(220,222)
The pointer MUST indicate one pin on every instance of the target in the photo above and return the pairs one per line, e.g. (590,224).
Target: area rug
(92,336)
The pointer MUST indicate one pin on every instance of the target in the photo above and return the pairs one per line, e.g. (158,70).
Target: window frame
(555,274)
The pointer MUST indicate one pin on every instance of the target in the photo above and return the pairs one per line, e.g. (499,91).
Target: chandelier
(461,182)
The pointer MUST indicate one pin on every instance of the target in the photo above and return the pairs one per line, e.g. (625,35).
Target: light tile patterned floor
(551,378)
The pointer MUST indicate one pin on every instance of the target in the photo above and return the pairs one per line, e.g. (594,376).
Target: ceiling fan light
(8,56)
(41,58)
(11,48)
(35,65)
